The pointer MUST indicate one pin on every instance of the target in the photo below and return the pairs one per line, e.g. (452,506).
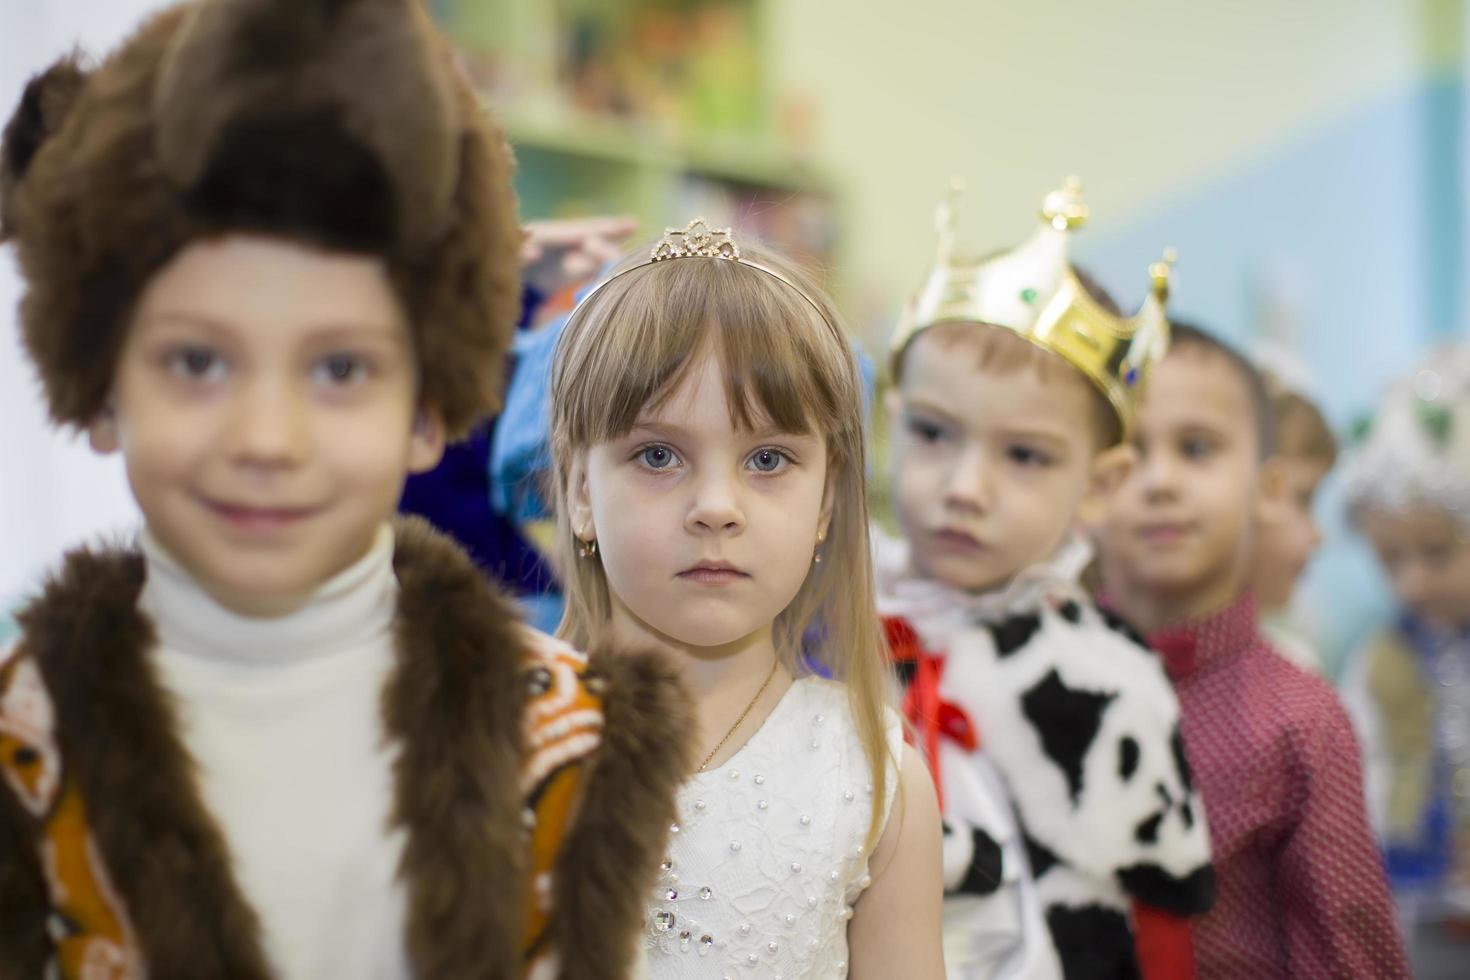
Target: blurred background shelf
(661,109)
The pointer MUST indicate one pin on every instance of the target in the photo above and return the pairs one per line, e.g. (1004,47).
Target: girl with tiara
(707,440)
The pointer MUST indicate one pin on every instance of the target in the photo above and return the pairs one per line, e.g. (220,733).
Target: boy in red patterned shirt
(1301,885)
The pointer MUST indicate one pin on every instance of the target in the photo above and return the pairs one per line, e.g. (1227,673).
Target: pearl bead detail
(780,939)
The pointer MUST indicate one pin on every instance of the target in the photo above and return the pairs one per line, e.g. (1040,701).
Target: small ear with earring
(586,547)
(817,553)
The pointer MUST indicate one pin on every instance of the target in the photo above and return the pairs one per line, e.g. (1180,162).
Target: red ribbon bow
(930,716)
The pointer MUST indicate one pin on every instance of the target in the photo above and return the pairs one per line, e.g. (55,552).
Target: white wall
(54,492)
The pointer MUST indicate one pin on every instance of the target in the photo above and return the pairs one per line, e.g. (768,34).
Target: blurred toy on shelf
(655,108)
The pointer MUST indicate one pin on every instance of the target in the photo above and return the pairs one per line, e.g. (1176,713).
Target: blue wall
(1359,226)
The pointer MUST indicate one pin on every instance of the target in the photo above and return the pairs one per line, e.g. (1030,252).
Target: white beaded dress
(768,855)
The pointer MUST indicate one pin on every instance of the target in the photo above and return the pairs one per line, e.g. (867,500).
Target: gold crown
(1033,291)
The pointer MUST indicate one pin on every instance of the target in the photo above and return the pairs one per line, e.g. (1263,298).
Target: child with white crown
(707,440)
(1071,824)
(1408,492)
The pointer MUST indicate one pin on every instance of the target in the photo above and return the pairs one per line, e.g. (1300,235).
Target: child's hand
(557,254)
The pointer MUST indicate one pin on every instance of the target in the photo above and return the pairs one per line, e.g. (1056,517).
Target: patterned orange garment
(90,928)
(93,937)
(563,728)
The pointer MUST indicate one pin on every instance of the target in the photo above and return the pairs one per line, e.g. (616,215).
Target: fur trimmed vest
(535,787)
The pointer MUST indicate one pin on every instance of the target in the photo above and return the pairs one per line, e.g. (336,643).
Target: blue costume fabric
(456,495)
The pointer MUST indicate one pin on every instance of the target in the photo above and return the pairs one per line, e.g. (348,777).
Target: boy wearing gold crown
(1052,733)
(1301,885)
(271,256)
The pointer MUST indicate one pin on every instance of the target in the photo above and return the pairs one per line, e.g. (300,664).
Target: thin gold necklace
(721,743)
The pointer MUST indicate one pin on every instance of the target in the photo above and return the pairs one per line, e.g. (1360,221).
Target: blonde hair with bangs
(627,348)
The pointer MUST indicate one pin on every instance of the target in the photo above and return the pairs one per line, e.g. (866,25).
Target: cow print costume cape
(1033,693)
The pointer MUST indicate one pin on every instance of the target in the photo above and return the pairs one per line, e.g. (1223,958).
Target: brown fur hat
(341,123)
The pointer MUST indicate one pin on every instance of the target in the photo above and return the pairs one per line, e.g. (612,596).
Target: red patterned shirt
(1302,892)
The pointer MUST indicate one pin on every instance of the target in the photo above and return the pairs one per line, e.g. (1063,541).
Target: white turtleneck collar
(349,611)
(283,718)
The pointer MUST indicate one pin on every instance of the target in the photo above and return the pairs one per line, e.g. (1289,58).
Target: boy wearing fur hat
(1014,389)
(1301,886)
(270,253)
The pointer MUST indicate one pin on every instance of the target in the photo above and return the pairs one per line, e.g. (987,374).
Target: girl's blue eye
(657,457)
(767,460)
